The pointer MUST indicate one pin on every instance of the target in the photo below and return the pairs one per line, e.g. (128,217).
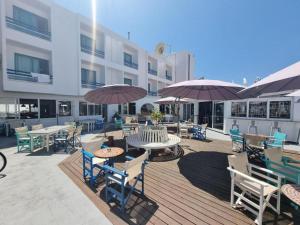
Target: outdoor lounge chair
(252,193)
(90,162)
(237,140)
(278,163)
(117,181)
(277,141)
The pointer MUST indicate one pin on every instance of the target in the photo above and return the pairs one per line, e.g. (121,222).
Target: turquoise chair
(118,181)
(278,163)
(23,140)
(237,139)
(277,141)
(118,123)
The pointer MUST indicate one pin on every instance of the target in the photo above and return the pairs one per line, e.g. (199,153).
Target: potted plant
(156,116)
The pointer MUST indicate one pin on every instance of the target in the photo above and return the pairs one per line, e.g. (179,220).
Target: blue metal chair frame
(199,133)
(120,179)
(87,158)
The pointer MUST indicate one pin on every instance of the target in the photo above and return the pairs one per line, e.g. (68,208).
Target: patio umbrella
(284,80)
(171,100)
(115,94)
(202,90)
(294,94)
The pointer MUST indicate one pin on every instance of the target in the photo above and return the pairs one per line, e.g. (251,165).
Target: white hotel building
(51,57)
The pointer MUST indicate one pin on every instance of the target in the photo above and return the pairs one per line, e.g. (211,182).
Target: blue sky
(230,39)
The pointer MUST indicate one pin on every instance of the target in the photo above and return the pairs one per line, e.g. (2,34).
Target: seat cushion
(115,178)
(98,160)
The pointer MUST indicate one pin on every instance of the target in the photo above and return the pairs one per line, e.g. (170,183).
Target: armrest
(266,171)
(114,170)
(247,177)
(286,159)
(129,157)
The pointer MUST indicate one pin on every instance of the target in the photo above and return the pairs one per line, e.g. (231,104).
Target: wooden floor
(193,189)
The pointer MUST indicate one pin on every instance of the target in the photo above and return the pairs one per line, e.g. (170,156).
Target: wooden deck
(193,189)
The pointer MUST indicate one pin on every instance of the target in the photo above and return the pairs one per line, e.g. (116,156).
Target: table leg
(31,143)
(47,142)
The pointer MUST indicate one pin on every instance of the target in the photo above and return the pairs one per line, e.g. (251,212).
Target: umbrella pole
(178,117)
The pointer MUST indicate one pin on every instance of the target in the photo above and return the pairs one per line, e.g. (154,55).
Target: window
(82,109)
(162,108)
(128,81)
(149,87)
(127,58)
(125,109)
(29,108)
(98,109)
(8,110)
(91,110)
(31,64)
(132,108)
(258,109)
(149,66)
(30,20)
(64,108)
(88,76)
(239,109)
(280,109)
(87,42)
(47,108)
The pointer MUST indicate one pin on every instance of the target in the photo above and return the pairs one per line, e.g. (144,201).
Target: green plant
(156,116)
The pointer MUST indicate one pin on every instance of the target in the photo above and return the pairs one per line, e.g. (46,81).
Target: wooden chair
(23,139)
(278,163)
(40,138)
(127,130)
(118,123)
(276,141)
(237,140)
(250,189)
(114,178)
(90,162)
(199,132)
(77,136)
(235,125)
(252,129)
(65,140)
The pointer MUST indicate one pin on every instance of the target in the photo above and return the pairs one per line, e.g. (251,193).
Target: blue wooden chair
(199,132)
(117,181)
(278,163)
(99,124)
(118,123)
(90,162)
(277,141)
(237,139)
(24,140)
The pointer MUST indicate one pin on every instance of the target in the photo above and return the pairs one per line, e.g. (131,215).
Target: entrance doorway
(205,113)
(218,116)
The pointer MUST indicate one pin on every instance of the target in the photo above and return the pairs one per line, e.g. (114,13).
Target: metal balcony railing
(25,76)
(168,77)
(94,52)
(91,85)
(131,64)
(152,71)
(152,93)
(25,28)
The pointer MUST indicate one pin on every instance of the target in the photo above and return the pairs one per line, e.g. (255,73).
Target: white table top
(49,130)
(134,141)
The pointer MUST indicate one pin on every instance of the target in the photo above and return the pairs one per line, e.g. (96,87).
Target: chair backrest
(235,125)
(274,154)
(92,145)
(21,131)
(204,126)
(71,131)
(15,123)
(134,167)
(234,134)
(128,119)
(37,127)
(252,129)
(70,123)
(279,138)
(239,162)
(78,131)
(255,140)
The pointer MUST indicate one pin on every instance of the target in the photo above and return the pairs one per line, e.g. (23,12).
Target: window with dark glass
(149,66)
(30,20)
(88,76)
(125,109)
(98,109)
(64,108)
(258,109)
(91,110)
(104,111)
(127,57)
(82,109)
(280,109)
(162,108)
(31,64)
(132,108)
(239,109)
(128,81)
(47,108)
(29,108)
(119,109)
(87,42)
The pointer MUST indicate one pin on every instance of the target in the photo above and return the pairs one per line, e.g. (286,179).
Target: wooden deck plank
(191,190)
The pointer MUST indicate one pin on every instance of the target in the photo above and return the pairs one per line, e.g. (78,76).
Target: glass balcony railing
(94,52)
(91,85)
(131,64)
(168,77)
(30,77)
(152,93)
(152,71)
(20,26)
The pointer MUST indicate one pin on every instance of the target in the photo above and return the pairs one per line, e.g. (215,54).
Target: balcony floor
(193,189)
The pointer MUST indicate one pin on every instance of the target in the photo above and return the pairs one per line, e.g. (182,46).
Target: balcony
(91,85)
(168,77)
(20,26)
(152,93)
(131,64)
(152,71)
(28,76)
(94,52)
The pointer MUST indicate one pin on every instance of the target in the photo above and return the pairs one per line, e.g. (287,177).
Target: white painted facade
(63,51)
